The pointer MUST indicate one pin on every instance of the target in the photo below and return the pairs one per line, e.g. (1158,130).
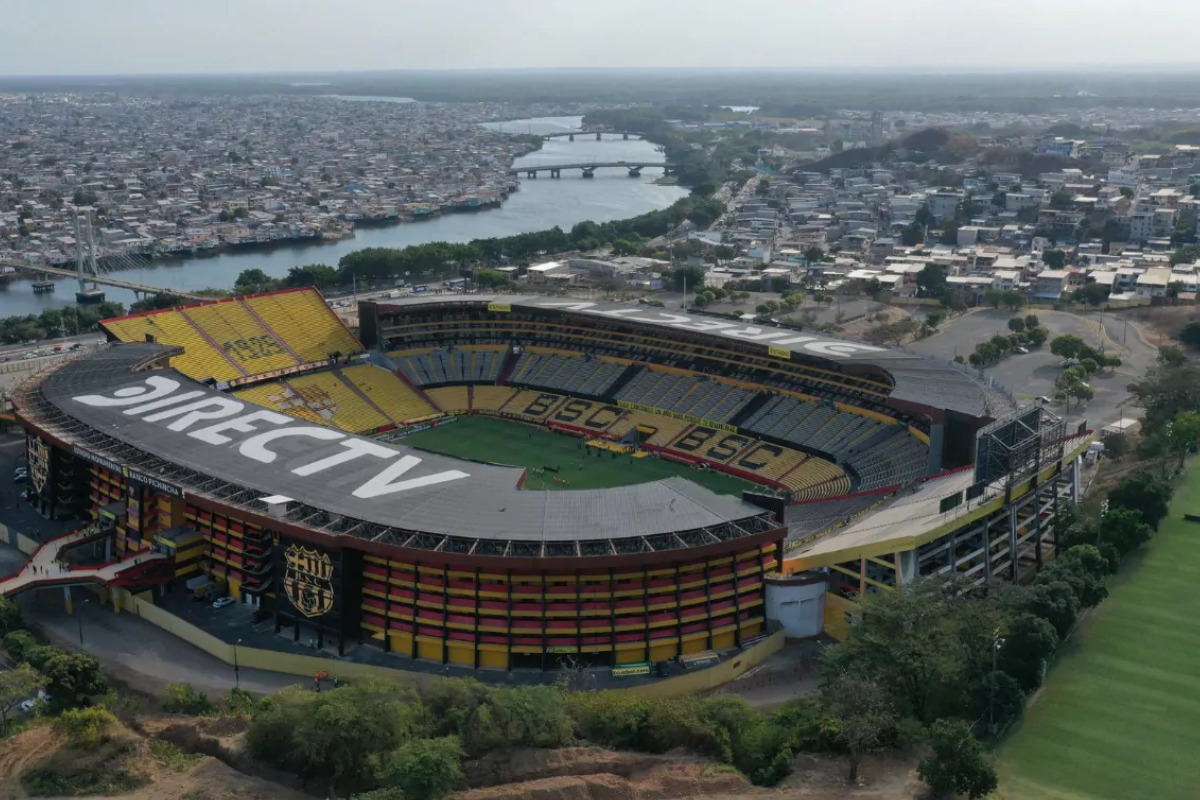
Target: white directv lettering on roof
(751,333)
(179,415)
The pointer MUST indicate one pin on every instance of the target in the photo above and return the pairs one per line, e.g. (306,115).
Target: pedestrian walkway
(45,568)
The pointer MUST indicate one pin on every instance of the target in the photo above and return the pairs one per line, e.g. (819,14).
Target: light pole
(79,619)
(997,643)
(237,678)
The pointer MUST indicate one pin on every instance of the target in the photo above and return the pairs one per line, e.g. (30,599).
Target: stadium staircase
(510,363)
(381,359)
(417,390)
(625,377)
(874,440)
(353,386)
(749,409)
(42,570)
(267,328)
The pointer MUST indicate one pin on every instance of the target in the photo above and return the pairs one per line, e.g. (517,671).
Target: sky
(85,37)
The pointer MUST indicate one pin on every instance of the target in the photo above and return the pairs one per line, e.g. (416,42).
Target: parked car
(221,602)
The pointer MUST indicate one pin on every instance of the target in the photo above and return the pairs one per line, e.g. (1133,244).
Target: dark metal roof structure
(917,378)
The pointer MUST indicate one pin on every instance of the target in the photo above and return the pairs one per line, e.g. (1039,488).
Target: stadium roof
(918,378)
(168,420)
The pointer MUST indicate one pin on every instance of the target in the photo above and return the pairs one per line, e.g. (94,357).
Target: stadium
(528,482)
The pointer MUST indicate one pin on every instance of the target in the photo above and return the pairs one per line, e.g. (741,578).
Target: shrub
(424,769)
(957,764)
(533,716)
(610,719)
(183,698)
(85,728)
(19,644)
(241,702)
(170,756)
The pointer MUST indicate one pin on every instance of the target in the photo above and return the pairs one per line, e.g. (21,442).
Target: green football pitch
(503,442)
(1119,716)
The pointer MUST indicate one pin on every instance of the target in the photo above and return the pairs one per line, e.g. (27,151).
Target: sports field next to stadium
(1119,716)
(579,467)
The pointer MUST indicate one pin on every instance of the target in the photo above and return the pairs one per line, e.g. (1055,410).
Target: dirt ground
(1162,323)
(581,773)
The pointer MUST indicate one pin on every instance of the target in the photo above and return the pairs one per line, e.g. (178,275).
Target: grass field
(1119,716)
(503,442)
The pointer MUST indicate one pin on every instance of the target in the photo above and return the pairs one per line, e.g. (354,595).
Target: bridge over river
(589,168)
(101,278)
(570,135)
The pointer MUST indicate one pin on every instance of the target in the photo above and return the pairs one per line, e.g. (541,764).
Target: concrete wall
(798,607)
(307,666)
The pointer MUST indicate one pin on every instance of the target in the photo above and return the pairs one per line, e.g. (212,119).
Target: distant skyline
(75,37)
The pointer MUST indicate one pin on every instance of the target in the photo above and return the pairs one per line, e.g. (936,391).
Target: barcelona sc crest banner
(308,580)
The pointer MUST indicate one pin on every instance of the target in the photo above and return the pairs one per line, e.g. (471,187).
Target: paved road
(142,655)
(1033,375)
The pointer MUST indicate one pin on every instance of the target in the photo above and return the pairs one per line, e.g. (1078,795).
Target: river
(540,204)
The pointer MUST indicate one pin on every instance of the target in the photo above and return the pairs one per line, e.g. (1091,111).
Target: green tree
(85,728)
(1144,493)
(956,763)
(692,277)
(624,247)
(1061,199)
(10,617)
(813,255)
(1125,529)
(424,769)
(321,276)
(491,278)
(16,686)
(1067,346)
(1016,324)
(912,235)
(72,678)
(931,281)
(949,233)
(1171,356)
(1032,321)
(1054,259)
(1090,366)
(1188,254)
(1083,568)
(865,714)
(252,281)
(1053,601)
(1029,641)
(1190,335)
(1093,294)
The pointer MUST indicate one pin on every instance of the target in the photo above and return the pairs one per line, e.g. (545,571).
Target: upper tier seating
(304,320)
(244,336)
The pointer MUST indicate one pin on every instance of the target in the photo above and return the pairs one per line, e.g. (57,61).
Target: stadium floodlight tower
(1014,448)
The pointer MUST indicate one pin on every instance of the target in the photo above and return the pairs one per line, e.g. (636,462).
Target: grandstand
(237,338)
(450,365)
(358,399)
(695,395)
(716,448)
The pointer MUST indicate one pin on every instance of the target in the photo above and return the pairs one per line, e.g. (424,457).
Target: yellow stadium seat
(389,394)
(491,398)
(240,336)
(666,429)
(451,399)
(200,359)
(330,398)
(305,322)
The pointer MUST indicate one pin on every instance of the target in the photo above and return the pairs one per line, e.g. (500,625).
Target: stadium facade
(261,444)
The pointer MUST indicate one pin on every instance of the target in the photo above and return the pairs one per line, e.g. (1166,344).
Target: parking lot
(1033,375)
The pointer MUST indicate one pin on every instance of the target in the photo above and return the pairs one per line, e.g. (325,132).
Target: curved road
(1030,376)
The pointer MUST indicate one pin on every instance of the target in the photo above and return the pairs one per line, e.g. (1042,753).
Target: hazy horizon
(222,37)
